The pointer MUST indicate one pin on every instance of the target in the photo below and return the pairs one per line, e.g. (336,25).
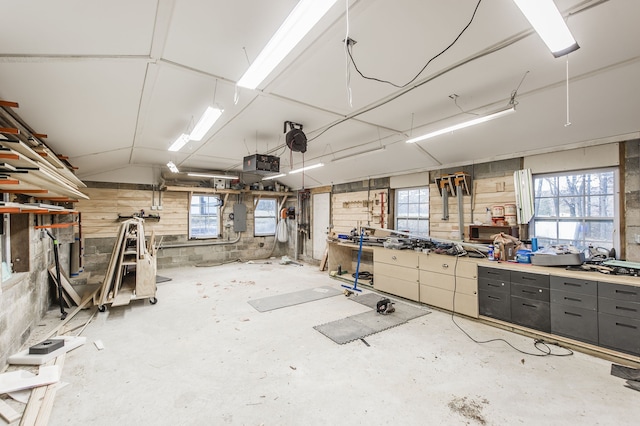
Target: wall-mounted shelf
(483,233)
(149,217)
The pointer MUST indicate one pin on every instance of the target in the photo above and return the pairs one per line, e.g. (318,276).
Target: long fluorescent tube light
(359,154)
(304,169)
(179,143)
(274,176)
(481,119)
(545,18)
(205,123)
(174,169)
(302,18)
(207,175)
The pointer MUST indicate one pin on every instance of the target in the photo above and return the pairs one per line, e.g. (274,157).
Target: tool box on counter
(568,259)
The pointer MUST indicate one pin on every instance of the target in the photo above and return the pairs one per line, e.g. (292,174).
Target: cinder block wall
(27,296)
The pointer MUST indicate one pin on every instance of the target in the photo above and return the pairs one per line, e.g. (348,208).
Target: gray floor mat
(367,323)
(297,297)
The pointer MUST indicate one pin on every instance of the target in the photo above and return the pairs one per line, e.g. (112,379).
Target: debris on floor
(469,408)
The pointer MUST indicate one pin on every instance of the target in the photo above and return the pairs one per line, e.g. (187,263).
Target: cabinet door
(576,323)
(619,291)
(530,292)
(621,308)
(531,313)
(494,273)
(449,282)
(462,303)
(406,258)
(619,333)
(400,272)
(393,285)
(574,285)
(494,286)
(494,304)
(577,300)
(528,278)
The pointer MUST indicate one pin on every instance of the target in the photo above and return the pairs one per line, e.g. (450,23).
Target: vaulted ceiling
(113,84)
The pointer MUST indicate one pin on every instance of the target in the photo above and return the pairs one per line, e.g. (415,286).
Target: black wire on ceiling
(402,86)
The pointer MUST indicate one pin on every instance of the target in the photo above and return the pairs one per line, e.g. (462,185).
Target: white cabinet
(449,282)
(396,272)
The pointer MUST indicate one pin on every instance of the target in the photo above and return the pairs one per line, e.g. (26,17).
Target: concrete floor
(204,356)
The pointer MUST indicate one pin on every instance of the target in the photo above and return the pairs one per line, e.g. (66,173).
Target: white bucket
(497,211)
(511,219)
(510,210)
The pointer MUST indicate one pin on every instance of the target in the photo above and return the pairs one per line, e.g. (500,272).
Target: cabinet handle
(626,325)
(529,306)
(394,258)
(445,266)
(494,285)
(572,284)
(573,299)
(624,308)
(528,291)
(493,297)
(572,314)
(528,278)
(632,293)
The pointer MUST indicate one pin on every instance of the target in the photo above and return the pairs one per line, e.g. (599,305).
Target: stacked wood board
(131,273)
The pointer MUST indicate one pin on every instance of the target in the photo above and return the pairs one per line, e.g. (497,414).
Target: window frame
(419,218)
(275,217)
(584,220)
(191,234)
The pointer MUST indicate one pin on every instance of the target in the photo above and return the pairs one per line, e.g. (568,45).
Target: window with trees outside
(412,211)
(265,217)
(204,216)
(576,208)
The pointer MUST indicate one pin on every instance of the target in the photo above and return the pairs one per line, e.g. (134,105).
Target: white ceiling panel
(113,84)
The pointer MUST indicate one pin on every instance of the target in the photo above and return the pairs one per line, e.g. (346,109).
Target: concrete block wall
(27,296)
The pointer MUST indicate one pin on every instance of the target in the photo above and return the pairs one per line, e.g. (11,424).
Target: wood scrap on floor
(8,413)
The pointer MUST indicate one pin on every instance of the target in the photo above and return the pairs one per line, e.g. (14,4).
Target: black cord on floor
(545,351)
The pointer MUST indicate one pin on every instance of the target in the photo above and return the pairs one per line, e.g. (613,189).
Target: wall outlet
(159,207)
(154,207)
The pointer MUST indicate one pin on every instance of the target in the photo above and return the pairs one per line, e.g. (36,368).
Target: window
(412,211)
(204,216)
(576,208)
(265,217)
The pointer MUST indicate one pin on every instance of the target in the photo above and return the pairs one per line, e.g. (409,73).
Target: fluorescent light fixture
(173,167)
(179,143)
(302,18)
(207,175)
(205,123)
(359,154)
(481,119)
(304,169)
(545,18)
(274,176)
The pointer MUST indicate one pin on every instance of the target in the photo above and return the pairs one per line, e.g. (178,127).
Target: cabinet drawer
(449,282)
(407,289)
(437,263)
(577,300)
(464,303)
(401,272)
(407,258)
(531,313)
(494,304)
(528,278)
(619,333)
(619,307)
(574,285)
(485,284)
(466,269)
(529,292)
(576,323)
(494,274)
(619,291)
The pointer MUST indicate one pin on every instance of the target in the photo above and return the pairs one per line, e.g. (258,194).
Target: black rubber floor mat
(627,373)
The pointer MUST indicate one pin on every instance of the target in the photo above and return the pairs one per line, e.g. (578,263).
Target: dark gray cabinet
(530,300)
(494,294)
(514,296)
(574,308)
(619,317)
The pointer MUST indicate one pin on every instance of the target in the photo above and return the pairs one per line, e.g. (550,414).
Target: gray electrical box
(239,217)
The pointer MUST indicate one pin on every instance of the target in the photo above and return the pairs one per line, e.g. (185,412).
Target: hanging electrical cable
(401,86)
(347,42)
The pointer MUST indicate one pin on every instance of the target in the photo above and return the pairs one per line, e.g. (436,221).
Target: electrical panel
(260,163)
(239,217)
